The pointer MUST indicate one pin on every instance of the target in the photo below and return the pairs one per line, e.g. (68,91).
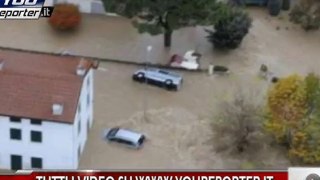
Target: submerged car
(124,136)
(159,77)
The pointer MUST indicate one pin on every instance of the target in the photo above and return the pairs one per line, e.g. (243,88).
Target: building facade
(48,128)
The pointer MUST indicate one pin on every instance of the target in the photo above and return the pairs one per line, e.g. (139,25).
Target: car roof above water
(162,72)
(128,135)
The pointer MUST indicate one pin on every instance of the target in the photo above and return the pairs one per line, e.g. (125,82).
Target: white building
(46,110)
(85,6)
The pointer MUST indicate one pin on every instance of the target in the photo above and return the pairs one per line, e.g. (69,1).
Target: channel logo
(24,9)
(304,173)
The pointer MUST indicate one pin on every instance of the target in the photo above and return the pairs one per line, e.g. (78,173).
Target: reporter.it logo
(24,9)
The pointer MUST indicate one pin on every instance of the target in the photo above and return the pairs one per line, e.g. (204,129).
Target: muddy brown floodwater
(178,123)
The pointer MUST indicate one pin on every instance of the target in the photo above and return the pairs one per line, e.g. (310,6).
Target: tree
(65,17)
(306,142)
(287,106)
(305,145)
(163,16)
(294,117)
(313,92)
(238,124)
(230,29)
(307,14)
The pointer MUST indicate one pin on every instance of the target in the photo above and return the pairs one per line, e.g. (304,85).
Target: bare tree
(238,124)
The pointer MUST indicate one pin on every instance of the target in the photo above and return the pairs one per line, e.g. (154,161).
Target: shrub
(235,3)
(286,4)
(230,28)
(65,17)
(264,68)
(274,7)
(307,14)
(237,127)
(220,69)
(274,79)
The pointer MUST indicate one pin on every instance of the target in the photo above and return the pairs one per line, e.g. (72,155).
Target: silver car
(124,136)
(159,77)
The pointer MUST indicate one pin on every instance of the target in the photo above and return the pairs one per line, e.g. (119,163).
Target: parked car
(124,136)
(162,78)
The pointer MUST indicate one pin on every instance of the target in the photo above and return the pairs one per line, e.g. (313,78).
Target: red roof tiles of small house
(31,83)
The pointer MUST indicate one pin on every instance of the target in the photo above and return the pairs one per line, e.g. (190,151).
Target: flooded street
(171,118)
(177,124)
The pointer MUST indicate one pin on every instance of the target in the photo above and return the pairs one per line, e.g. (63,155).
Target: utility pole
(145,100)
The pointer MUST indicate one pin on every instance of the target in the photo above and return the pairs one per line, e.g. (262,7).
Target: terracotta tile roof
(31,83)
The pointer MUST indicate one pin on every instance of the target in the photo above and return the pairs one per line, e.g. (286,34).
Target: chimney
(57,109)
(95,64)
(65,53)
(80,68)
(1,64)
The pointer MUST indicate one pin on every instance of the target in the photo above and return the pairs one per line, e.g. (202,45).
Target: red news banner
(100,175)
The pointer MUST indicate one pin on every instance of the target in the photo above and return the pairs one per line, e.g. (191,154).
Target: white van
(124,136)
